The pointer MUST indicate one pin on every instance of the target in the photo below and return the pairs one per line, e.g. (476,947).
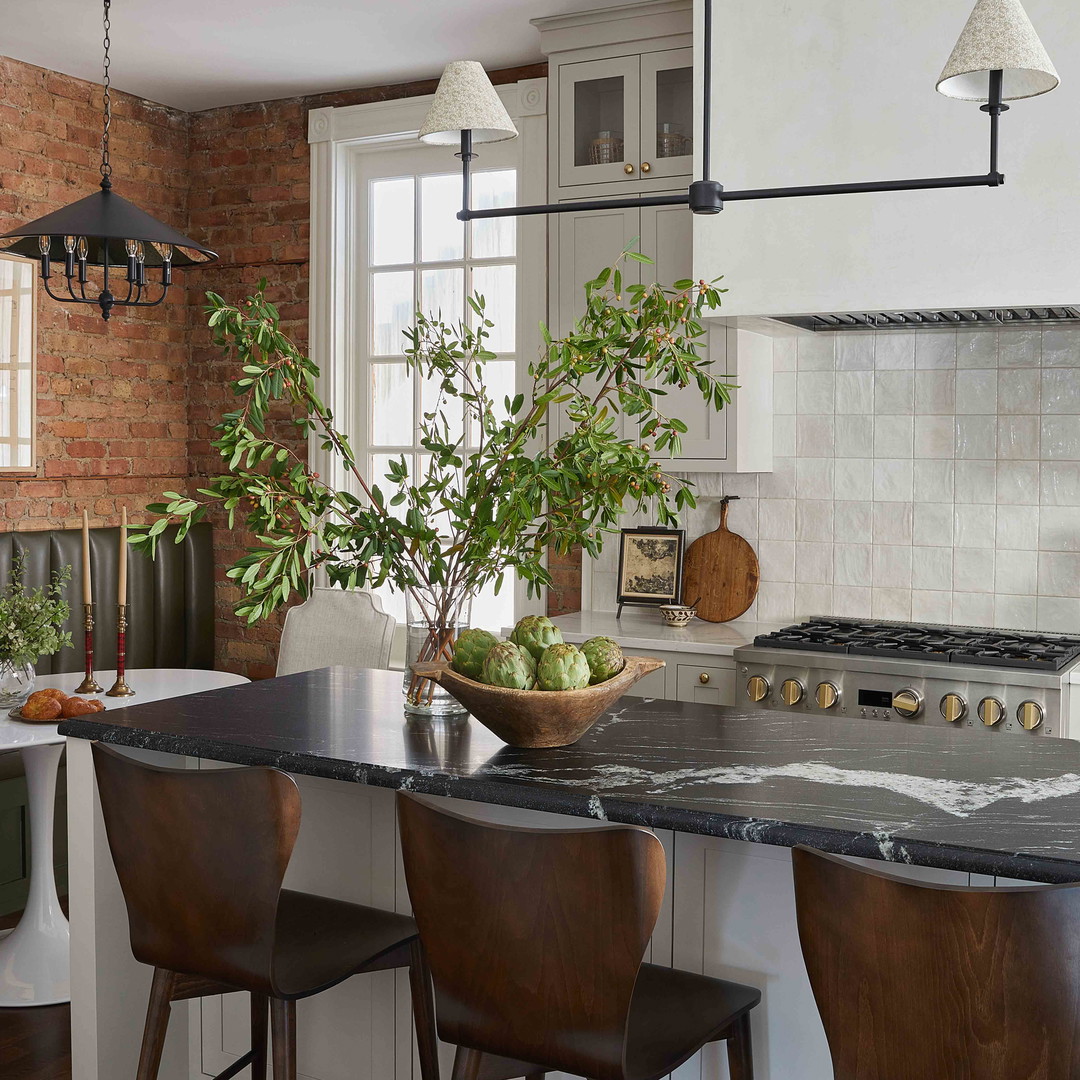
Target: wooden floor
(35,1044)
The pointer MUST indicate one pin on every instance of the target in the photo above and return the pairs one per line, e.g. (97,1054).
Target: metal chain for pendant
(106,164)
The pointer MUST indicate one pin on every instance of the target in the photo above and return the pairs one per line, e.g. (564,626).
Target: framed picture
(18,393)
(650,566)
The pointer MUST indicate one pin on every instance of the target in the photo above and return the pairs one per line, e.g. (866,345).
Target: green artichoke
(469,651)
(530,660)
(605,657)
(536,633)
(505,666)
(562,667)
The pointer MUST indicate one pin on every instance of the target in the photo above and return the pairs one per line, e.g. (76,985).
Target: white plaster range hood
(814,97)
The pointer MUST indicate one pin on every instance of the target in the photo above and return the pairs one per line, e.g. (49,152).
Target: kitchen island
(727,790)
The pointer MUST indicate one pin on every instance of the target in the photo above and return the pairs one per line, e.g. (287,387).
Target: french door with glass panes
(416,254)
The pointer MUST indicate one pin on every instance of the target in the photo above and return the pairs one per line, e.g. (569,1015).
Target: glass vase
(432,624)
(16,683)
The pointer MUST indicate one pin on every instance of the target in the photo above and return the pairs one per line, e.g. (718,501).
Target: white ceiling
(199,54)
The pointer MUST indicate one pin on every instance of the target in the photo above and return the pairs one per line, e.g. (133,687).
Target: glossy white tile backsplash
(928,476)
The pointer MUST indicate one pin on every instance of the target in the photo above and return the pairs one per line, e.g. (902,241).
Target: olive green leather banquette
(170,598)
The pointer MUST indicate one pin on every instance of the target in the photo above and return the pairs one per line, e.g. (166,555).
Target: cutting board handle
(723,509)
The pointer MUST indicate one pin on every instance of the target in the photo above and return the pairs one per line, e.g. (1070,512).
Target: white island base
(729,911)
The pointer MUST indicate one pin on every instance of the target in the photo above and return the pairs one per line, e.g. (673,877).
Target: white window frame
(338,137)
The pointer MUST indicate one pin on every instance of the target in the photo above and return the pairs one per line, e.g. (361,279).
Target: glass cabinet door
(667,113)
(599,121)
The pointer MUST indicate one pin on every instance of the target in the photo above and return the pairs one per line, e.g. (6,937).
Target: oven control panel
(983,705)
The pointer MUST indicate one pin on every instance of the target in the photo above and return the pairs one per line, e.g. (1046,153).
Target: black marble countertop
(967,800)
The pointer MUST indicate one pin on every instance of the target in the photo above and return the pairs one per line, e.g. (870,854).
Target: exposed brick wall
(564,595)
(112,407)
(127,411)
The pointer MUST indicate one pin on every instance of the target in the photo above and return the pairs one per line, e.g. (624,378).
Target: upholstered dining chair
(914,979)
(345,627)
(201,856)
(535,939)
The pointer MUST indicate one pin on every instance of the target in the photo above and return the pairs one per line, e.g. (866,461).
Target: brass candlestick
(120,688)
(89,685)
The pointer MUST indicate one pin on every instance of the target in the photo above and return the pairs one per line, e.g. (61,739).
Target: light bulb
(140,251)
(44,243)
(82,249)
(131,247)
(69,243)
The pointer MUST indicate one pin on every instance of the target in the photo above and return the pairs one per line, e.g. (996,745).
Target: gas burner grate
(945,644)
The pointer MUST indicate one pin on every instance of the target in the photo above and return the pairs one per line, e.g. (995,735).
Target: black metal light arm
(706,196)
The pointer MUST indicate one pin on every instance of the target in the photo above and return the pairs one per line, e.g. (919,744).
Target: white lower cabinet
(703,678)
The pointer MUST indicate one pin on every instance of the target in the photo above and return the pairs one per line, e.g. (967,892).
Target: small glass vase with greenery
(499,486)
(31,626)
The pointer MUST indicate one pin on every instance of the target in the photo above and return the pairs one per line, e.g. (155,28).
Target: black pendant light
(108,232)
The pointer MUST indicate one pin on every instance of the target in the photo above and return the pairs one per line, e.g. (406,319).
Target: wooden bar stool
(201,857)
(535,939)
(943,982)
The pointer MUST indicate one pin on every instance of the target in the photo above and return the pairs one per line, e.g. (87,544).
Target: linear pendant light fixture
(107,232)
(997,58)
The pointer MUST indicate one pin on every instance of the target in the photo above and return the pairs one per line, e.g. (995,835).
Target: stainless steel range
(989,680)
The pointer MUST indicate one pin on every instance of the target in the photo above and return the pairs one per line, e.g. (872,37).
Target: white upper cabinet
(621,124)
(834,91)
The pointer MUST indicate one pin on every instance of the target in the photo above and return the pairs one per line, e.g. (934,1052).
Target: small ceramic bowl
(677,614)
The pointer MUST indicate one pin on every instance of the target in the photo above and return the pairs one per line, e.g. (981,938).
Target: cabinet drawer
(713,685)
(653,685)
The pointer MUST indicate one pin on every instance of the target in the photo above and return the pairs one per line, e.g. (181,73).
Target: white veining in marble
(958,798)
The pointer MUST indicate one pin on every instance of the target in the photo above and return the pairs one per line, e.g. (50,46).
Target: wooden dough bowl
(529,718)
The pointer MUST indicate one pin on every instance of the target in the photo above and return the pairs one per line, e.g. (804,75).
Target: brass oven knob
(1030,715)
(991,711)
(703,678)
(953,707)
(757,688)
(646,167)
(628,168)
(827,695)
(907,703)
(791,691)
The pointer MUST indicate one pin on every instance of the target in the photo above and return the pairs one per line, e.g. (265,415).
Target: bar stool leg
(423,1005)
(157,1023)
(283,1032)
(260,1017)
(466,1064)
(740,1050)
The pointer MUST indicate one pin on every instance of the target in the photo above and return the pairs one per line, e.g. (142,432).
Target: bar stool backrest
(938,981)
(534,936)
(201,856)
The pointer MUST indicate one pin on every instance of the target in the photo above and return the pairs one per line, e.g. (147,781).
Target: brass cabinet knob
(1030,715)
(907,703)
(991,711)
(646,167)
(757,688)
(791,691)
(953,707)
(827,695)
(703,678)
(628,168)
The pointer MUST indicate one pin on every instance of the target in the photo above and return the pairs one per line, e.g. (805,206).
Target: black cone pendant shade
(107,232)
(107,220)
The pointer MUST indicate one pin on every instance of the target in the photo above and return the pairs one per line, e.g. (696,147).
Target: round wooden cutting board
(722,569)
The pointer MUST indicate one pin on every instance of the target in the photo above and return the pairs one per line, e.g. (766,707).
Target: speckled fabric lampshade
(466,101)
(998,36)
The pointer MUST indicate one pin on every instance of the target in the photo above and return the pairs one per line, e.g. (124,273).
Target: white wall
(830,91)
(928,476)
